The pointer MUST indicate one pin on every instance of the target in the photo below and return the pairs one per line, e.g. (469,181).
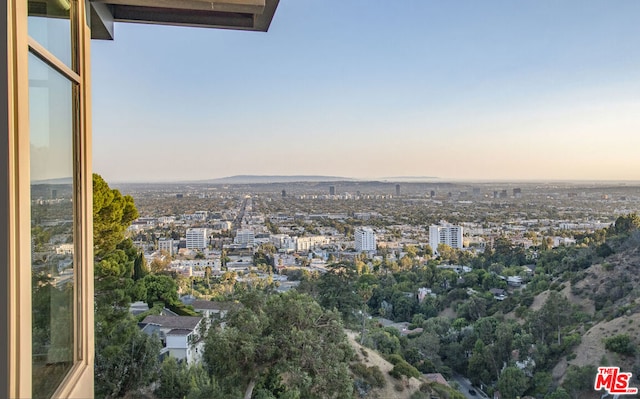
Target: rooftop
(173,322)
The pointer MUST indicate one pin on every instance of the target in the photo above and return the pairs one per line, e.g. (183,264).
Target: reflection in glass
(50,25)
(51,115)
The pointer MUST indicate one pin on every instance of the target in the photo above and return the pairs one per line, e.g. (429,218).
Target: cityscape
(407,259)
(267,199)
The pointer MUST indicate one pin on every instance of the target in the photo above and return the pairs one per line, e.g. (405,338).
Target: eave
(249,15)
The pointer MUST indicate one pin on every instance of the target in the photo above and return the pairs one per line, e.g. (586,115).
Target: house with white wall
(181,336)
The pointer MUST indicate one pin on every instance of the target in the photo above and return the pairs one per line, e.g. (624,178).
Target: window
(51,115)
(55,131)
(46,240)
(49,261)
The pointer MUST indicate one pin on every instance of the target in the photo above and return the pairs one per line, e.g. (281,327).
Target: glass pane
(51,115)
(50,25)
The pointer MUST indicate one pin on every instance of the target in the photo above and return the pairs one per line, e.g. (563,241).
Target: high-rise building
(245,237)
(332,190)
(196,239)
(448,234)
(284,193)
(397,190)
(365,239)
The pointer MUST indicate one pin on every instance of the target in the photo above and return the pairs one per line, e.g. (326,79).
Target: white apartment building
(283,242)
(305,244)
(167,245)
(445,234)
(222,225)
(365,239)
(245,237)
(196,239)
(163,220)
(65,249)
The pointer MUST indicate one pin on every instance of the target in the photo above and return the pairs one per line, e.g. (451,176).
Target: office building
(197,239)
(397,190)
(332,190)
(517,193)
(365,239)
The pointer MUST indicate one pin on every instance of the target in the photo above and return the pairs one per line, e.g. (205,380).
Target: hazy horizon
(491,91)
(388,179)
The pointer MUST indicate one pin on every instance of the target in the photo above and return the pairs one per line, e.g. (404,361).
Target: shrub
(395,359)
(620,343)
(371,376)
(404,368)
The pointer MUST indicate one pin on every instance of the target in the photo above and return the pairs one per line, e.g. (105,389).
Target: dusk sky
(469,89)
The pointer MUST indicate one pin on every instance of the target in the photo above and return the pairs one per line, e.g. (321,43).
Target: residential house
(181,336)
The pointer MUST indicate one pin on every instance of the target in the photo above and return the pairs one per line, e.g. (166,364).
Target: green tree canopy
(126,359)
(512,383)
(112,214)
(159,288)
(288,337)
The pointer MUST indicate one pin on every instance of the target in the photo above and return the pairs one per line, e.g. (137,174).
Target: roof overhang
(250,15)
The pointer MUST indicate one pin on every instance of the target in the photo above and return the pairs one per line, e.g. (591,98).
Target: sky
(459,90)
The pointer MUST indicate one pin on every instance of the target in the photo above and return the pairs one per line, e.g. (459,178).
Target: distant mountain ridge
(254,179)
(55,181)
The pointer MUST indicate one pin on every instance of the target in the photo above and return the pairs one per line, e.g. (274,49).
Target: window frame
(78,382)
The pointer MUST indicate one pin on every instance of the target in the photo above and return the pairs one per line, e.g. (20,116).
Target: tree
(559,393)
(180,380)
(383,341)
(541,384)
(336,290)
(579,379)
(112,214)
(126,359)
(287,334)
(626,224)
(478,370)
(447,253)
(552,316)
(512,383)
(140,267)
(160,288)
(365,291)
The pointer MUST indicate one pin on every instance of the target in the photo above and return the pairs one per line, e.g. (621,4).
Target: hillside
(609,292)
(407,388)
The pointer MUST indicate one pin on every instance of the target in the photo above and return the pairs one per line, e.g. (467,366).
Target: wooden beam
(232,6)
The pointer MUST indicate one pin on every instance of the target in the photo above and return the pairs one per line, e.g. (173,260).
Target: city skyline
(491,91)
